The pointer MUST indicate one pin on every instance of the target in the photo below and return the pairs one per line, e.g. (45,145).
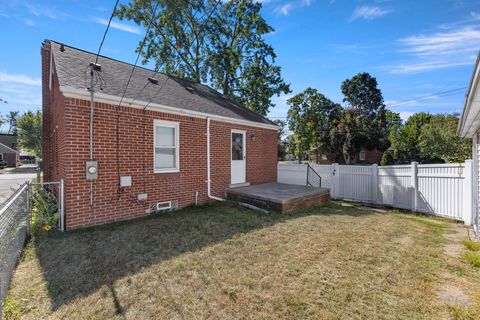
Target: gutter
(209,180)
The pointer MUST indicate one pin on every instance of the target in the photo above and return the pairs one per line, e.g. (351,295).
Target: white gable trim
(470,119)
(84,94)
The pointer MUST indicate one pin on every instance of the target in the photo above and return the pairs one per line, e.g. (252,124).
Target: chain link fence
(14,227)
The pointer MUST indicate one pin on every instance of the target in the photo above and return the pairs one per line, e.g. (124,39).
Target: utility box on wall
(91,169)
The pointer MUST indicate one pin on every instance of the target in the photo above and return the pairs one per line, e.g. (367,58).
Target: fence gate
(15,223)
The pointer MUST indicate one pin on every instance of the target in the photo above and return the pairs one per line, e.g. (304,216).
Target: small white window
(361,156)
(324,157)
(166,145)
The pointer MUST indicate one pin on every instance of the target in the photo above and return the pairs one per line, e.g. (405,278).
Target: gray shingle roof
(6,149)
(71,66)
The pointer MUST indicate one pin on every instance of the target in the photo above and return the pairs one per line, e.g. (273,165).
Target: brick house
(169,143)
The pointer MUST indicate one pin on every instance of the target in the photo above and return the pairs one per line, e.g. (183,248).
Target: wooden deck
(280,197)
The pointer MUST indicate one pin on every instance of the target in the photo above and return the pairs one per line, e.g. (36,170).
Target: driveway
(11,178)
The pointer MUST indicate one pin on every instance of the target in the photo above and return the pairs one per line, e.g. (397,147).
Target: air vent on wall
(164,206)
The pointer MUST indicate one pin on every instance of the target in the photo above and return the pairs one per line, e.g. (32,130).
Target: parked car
(3,164)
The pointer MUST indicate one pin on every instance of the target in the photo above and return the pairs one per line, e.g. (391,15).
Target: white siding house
(469,127)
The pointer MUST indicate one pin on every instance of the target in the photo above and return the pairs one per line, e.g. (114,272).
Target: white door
(238,157)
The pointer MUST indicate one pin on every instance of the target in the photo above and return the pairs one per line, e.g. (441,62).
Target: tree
(281,145)
(313,118)
(405,141)
(438,139)
(216,41)
(363,122)
(30,132)
(294,147)
(2,120)
(241,63)
(11,119)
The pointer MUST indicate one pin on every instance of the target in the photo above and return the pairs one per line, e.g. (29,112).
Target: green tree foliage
(364,120)
(342,131)
(314,119)
(29,127)
(11,119)
(294,147)
(217,41)
(405,140)
(281,145)
(438,139)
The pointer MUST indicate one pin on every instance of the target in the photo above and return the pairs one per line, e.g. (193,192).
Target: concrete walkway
(12,178)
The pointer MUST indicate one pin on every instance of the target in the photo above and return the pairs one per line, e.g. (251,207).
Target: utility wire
(427,97)
(125,91)
(106,30)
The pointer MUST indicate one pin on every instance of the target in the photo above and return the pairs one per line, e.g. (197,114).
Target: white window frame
(167,124)
(360,157)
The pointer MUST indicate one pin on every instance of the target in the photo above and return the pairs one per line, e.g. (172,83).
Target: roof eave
(70,92)
(471,107)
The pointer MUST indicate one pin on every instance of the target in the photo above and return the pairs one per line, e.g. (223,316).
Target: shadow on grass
(76,264)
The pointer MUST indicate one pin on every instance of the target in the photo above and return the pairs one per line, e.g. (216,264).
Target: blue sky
(414,48)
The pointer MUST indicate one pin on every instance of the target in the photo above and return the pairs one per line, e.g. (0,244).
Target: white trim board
(84,94)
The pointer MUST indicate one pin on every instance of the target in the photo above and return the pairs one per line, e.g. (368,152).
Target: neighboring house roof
(6,149)
(71,66)
(10,140)
(470,119)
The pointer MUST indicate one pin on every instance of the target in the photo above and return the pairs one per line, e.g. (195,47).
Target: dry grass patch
(226,262)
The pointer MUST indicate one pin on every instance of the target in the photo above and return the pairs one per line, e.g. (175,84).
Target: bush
(44,210)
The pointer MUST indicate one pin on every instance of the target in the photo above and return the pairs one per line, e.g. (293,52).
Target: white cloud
(426,66)
(40,11)
(439,50)
(475,15)
(118,25)
(29,22)
(284,9)
(368,13)
(443,43)
(19,78)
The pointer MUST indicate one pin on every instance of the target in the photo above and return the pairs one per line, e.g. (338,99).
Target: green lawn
(226,262)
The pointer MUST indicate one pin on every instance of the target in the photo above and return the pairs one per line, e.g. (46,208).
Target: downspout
(209,180)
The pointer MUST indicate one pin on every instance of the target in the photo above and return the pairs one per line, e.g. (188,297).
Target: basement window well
(166,145)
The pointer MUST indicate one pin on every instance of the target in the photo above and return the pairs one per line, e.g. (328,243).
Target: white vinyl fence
(439,189)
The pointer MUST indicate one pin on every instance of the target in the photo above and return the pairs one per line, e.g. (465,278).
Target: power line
(106,30)
(125,91)
(427,97)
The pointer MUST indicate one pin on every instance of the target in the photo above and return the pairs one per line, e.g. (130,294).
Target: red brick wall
(136,160)
(261,155)
(66,148)
(53,114)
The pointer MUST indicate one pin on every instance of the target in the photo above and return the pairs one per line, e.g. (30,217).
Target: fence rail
(439,189)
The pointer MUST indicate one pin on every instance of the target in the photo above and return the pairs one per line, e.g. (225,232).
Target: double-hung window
(166,144)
